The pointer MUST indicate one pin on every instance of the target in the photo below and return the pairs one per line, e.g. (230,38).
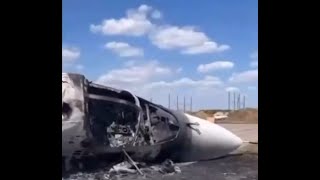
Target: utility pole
(229,100)
(177,102)
(184,103)
(239,99)
(234,101)
(169,101)
(244,102)
(191,104)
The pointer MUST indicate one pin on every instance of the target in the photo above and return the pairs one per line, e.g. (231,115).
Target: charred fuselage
(102,120)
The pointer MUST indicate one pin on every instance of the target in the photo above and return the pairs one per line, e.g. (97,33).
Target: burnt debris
(101,120)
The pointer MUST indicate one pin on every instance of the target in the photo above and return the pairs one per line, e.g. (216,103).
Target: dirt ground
(233,167)
(243,116)
(242,164)
(247,132)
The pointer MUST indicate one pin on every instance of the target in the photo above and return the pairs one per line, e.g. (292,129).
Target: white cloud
(254,64)
(187,82)
(153,80)
(136,23)
(79,67)
(144,8)
(244,77)
(254,57)
(232,89)
(179,70)
(174,37)
(252,88)
(149,80)
(156,14)
(217,65)
(134,76)
(206,47)
(124,49)
(70,54)
(204,91)
(187,39)
(130,63)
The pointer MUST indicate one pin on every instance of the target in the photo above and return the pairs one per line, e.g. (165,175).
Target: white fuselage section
(197,139)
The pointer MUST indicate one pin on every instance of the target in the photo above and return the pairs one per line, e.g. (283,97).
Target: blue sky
(188,48)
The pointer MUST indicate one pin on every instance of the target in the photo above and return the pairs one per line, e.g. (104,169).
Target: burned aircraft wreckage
(102,120)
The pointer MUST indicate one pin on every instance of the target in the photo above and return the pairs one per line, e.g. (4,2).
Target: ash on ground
(235,167)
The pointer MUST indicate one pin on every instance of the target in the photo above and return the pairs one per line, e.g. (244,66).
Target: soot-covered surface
(237,167)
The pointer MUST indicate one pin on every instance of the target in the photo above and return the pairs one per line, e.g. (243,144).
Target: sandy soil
(244,116)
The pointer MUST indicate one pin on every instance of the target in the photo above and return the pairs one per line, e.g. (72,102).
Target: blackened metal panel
(73,132)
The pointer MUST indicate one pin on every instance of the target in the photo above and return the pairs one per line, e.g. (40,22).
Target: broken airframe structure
(98,120)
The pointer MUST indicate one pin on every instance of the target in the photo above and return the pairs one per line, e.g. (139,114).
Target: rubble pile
(126,168)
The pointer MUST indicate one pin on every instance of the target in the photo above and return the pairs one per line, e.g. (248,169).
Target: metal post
(191,104)
(184,104)
(229,100)
(177,102)
(169,102)
(244,102)
(238,102)
(234,101)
